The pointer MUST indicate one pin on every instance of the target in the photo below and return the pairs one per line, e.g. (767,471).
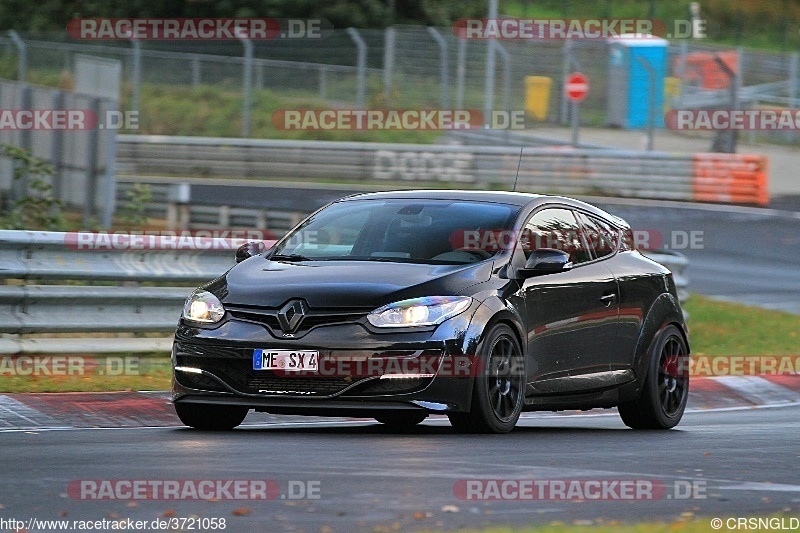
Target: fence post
(22,52)
(651,102)
(110,197)
(461,71)
(443,70)
(506,76)
(195,72)
(19,186)
(323,82)
(362,65)
(247,81)
(56,149)
(566,63)
(389,39)
(91,167)
(488,86)
(259,68)
(136,50)
(794,62)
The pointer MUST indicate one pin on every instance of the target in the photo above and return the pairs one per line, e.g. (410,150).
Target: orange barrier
(702,70)
(730,178)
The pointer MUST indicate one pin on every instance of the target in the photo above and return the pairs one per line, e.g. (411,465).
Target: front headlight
(419,311)
(203,307)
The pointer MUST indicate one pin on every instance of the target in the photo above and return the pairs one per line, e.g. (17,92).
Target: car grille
(268,317)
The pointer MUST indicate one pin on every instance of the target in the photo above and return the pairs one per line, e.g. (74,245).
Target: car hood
(265,283)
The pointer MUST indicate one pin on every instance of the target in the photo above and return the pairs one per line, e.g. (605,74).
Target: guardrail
(737,178)
(133,296)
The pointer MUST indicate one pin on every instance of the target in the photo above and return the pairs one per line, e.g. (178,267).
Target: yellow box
(537,96)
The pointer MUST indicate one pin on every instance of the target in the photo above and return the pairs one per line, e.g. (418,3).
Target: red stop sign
(576,87)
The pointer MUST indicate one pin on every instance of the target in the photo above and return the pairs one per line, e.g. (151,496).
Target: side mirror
(546,261)
(249,249)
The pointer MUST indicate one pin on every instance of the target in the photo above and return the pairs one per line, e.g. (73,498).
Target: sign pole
(575,122)
(575,91)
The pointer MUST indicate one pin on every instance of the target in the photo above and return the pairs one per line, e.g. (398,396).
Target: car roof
(519,199)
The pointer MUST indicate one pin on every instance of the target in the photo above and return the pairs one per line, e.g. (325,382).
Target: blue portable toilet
(628,104)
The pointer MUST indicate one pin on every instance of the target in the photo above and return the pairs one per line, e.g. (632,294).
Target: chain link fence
(399,67)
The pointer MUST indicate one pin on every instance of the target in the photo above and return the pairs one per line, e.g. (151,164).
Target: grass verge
(722,328)
(684,524)
(79,373)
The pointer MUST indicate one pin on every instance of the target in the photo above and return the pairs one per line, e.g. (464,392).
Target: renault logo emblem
(291,314)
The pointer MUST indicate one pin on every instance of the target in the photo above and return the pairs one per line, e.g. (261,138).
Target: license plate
(286,360)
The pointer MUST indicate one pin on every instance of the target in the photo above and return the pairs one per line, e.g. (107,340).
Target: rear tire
(498,389)
(666,388)
(402,419)
(210,417)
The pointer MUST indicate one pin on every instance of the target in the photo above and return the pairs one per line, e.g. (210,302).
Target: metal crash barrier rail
(132,288)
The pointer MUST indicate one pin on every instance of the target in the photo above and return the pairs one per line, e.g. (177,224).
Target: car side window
(554,228)
(600,236)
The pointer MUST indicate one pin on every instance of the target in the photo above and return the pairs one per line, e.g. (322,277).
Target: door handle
(608,298)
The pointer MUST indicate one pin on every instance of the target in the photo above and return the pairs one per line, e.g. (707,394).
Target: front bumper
(361,371)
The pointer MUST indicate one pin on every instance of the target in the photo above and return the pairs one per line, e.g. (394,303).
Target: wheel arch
(664,312)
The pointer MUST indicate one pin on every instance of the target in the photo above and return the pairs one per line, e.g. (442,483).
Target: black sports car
(477,305)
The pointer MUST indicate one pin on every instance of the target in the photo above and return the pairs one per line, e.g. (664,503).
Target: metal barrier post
(91,168)
(566,63)
(247,81)
(136,73)
(443,70)
(461,71)
(651,102)
(362,65)
(56,150)
(389,40)
(488,87)
(110,191)
(793,71)
(22,51)
(195,72)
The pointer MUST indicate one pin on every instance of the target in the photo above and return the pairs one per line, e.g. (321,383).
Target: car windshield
(413,230)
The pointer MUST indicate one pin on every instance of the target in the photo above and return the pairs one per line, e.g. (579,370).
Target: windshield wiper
(289,257)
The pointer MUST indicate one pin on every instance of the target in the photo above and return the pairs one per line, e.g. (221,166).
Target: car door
(572,315)
(603,240)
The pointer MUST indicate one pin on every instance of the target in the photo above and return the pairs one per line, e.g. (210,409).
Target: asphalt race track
(742,463)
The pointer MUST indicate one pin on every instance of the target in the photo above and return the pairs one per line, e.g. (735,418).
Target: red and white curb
(743,391)
(74,410)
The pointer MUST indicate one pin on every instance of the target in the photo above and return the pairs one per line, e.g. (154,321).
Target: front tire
(498,390)
(210,417)
(666,388)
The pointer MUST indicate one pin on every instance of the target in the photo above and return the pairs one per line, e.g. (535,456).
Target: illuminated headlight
(203,307)
(419,311)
